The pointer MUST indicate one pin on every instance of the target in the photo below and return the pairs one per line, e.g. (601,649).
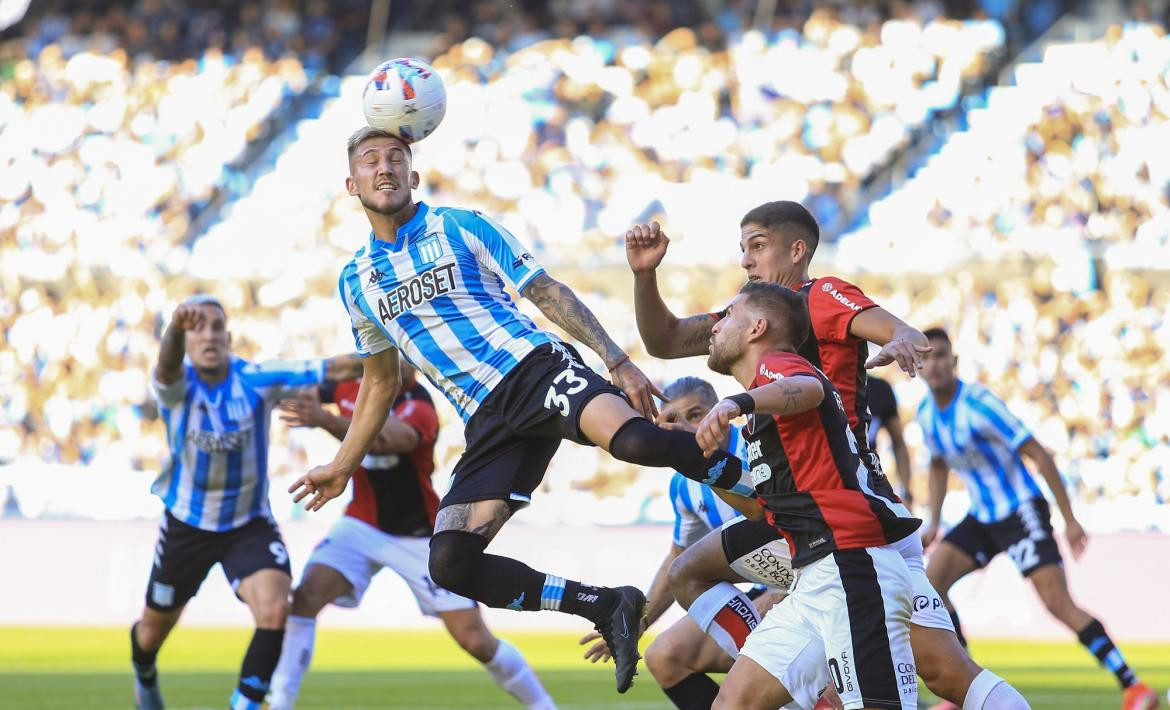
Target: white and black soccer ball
(405,97)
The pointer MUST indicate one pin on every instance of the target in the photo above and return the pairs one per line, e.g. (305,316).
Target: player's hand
(906,354)
(645,246)
(304,410)
(641,391)
(187,316)
(1077,538)
(712,433)
(929,533)
(684,425)
(324,483)
(598,651)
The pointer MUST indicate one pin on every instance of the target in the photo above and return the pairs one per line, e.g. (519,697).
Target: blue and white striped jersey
(437,294)
(217,476)
(697,510)
(980,439)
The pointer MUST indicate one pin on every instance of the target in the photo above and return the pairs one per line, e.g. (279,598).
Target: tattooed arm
(561,306)
(665,334)
(784,397)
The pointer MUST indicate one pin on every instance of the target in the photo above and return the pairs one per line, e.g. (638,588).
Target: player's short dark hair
(783,307)
(205,299)
(786,215)
(364,134)
(684,386)
(937,334)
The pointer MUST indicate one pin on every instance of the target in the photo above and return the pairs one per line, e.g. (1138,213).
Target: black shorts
(185,554)
(514,434)
(1025,535)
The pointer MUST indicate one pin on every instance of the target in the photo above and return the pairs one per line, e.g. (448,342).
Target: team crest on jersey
(429,249)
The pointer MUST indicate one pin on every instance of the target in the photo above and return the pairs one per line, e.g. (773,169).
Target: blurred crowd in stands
(106,156)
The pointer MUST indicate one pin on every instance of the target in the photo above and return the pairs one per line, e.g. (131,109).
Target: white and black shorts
(359,551)
(849,612)
(1025,535)
(758,553)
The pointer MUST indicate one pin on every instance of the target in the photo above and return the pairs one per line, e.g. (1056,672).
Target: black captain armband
(744,401)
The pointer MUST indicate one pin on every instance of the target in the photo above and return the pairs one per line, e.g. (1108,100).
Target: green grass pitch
(88,669)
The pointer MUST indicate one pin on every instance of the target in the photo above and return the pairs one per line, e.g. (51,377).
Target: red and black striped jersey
(393,492)
(832,305)
(810,477)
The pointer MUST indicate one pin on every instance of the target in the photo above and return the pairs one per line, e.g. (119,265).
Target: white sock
(299,634)
(726,615)
(512,673)
(990,692)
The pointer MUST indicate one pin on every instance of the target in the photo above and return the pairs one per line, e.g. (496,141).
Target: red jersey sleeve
(421,415)
(832,304)
(778,365)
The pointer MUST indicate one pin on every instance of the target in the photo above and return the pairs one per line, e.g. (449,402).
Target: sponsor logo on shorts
(744,611)
(922,601)
(767,567)
(162,594)
(907,677)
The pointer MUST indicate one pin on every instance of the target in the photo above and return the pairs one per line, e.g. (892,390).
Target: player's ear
(351,186)
(413,180)
(798,250)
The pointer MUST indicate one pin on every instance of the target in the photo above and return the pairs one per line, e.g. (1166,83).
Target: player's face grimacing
(208,345)
(769,257)
(381,175)
(727,338)
(938,365)
(690,408)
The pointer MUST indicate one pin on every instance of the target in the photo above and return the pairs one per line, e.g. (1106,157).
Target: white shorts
(927,608)
(850,613)
(359,551)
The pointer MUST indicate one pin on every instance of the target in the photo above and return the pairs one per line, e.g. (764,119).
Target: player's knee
(683,584)
(150,636)
(732,698)
(272,613)
(663,661)
(454,554)
(307,602)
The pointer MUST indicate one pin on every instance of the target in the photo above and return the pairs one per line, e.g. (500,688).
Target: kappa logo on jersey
(429,249)
(523,259)
(845,301)
(417,291)
(375,277)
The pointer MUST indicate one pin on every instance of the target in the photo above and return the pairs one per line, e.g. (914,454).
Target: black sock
(260,662)
(459,564)
(1094,638)
(143,660)
(640,442)
(958,628)
(695,692)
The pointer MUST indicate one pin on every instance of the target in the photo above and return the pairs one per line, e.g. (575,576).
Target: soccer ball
(405,97)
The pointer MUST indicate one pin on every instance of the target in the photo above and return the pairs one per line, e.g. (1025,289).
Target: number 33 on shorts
(569,384)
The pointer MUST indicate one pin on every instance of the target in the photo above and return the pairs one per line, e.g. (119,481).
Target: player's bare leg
(1052,586)
(146,638)
(266,593)
(320,585)
(459,564)
(749,686)
(501,659)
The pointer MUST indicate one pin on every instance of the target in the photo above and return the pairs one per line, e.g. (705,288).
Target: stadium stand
(581,138)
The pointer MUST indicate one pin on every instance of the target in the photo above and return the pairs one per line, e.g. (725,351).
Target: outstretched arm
(1046,466)
(561,306)
(784,397)
(900,342)
(343,367)
(380,382)
(937,489)
(665,334)
(169,368)
(396,436)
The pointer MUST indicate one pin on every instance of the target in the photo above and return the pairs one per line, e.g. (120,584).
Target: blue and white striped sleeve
(172,395)
(992,418)
(500,252)
(275,379)
(368,338)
